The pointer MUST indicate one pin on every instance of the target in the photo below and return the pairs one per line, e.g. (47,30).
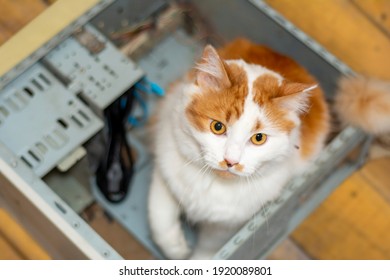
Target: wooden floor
(354,222)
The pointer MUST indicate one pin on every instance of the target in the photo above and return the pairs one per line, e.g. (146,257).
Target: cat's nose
(230,163)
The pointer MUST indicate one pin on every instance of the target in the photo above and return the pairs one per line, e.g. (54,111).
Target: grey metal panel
(102,77)
(43,122)
(173,57)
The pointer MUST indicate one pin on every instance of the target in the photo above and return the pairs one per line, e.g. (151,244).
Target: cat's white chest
(205,197)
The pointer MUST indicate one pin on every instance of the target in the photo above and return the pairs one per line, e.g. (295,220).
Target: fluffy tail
(365,103)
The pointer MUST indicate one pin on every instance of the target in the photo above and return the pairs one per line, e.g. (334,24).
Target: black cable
(116,166)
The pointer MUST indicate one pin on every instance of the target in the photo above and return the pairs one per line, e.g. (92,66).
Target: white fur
(183,179)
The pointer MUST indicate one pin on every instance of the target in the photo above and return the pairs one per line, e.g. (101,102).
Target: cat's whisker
(199,158)
(187,187)
(195,159)
(201,172)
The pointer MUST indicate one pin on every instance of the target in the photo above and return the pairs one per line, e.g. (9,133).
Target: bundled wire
(116,167)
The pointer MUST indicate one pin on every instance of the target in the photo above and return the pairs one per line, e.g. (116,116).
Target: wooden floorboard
(16,14)
(344,30)
(19,242)
(378,11)
(353,223)
(7,252)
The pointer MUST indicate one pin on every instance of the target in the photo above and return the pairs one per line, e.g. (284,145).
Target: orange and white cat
(228,139)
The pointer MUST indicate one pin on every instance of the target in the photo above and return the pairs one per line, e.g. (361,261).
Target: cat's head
(242,116)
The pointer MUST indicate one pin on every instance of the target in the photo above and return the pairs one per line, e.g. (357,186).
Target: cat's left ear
(211,72)
(295,96)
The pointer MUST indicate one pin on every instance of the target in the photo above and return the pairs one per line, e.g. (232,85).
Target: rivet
(224,254)
(238,240)
(106,254)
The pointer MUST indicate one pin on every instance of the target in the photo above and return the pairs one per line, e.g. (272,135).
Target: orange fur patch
(265,88)
(224,105)
(239,167)
(257,126)
(223,164)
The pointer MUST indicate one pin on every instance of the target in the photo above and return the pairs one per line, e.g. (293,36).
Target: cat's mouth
(227,174)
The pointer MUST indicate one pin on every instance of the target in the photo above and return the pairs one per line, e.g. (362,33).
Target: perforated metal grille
(100,77)
(41,121)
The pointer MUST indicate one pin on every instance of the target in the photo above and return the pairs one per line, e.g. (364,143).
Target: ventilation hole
(31,153)
(29,91)
(62,123)
(99,86)
(60,207)
(12,104)
(120,10)
(84,115)
(22,98)
(109,70)
(77,121)
(45,79)
(82,99)
(112,73)
(50,140)
(38,85)
(41,147)
(26,161)
(91,78)
(70,102)
(4,111)
(61,136)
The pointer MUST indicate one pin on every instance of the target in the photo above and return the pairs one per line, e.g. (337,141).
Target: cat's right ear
(211,72)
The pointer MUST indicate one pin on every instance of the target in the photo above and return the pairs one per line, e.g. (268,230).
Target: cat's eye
(259,138)
(217,127)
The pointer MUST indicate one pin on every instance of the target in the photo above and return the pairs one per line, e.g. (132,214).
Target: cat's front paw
(174,245)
